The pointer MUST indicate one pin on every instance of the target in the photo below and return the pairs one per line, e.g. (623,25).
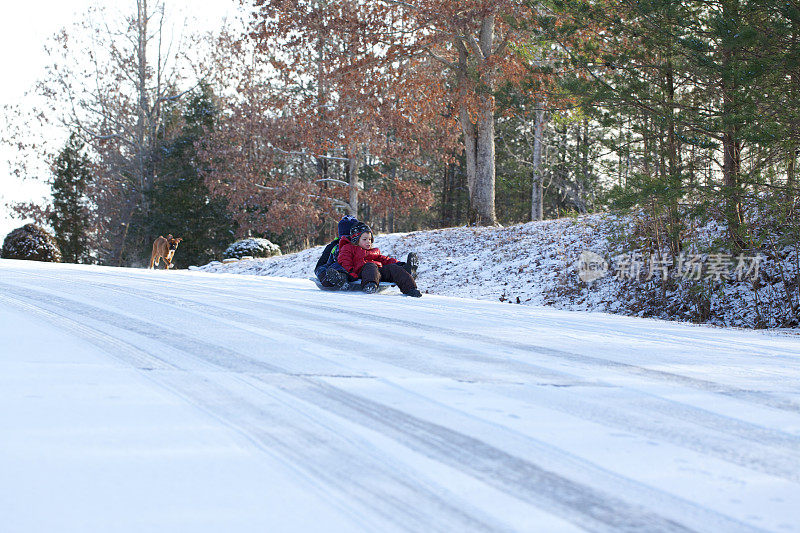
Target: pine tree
(70,215)
(180,203)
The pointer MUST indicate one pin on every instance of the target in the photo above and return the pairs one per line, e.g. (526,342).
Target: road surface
(137,400)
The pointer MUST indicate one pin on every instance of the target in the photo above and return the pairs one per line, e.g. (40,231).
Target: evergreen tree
(699,96)
(180,202)
(70,215)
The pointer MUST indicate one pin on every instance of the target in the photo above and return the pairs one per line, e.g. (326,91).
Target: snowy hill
(138,400)
(522,262)
(538,264)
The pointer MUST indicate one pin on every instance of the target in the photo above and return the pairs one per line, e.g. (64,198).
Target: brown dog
(164,247)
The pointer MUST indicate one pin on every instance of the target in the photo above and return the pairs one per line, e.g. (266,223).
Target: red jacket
(353,258)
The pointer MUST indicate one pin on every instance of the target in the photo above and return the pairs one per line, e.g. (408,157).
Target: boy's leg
(370,277)
(320,273)
(336,278)
(332,276)
(370,274)
(398,275)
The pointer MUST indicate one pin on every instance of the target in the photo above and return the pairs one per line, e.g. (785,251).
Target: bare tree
(111,78)
(452,54)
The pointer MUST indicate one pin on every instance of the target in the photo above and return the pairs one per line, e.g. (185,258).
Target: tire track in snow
(611,408)
(585,506)
(275,316)
(589,362)
(660,405)
(561,379)
(628,329)
(753,447)
(635,415)
(118,349)
(383,486)
(574,497)
(765,399)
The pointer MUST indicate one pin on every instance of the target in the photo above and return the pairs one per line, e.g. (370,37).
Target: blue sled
(353,286)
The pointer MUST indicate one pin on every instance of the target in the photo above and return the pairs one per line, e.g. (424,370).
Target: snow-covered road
(134,400)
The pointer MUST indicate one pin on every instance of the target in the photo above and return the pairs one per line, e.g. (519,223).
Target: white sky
(24,28)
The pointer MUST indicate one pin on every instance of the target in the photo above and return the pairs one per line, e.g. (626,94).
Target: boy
(332,275)
(361,260)
(328,271)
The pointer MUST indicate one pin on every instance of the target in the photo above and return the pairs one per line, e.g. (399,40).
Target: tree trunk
(674,172)
(322,163)
(731,146)
(470,149)
(483,197)
(731,165)
(126,225)
(588,197)
(537,192)
(479,152)
(142,111)
(444,208)
(479,136)
(140,131)
(392,177)
(352,171)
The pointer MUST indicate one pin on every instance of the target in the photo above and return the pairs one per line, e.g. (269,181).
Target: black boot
(335,278)
(412,263)
(369,287)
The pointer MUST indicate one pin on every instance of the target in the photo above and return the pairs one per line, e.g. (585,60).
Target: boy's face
(365,241)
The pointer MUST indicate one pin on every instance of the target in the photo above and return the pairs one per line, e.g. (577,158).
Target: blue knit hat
(345,224)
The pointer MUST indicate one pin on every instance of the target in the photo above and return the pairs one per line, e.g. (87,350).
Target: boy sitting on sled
(332,275)
(361,260)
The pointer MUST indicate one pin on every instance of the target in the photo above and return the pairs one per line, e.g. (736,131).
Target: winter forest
(569,300)
(425,114)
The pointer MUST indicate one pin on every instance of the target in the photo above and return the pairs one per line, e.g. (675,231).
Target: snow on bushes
(31,242)
(251,246)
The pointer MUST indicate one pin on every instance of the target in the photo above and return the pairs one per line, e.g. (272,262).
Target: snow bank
(538,263)
(252,247)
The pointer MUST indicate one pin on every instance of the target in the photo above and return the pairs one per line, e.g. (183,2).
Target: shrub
(251,246)
(31,242)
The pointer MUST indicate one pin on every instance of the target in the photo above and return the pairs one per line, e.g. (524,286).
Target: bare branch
(473,45)
(307,154)
(333,180)
(400,3)
(334,201)
(450,64)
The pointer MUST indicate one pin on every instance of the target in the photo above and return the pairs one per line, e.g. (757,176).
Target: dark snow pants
(320,273)
(394,273)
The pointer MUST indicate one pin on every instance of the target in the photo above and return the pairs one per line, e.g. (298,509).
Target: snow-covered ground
(524,261)
(137,400)
(538,264)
